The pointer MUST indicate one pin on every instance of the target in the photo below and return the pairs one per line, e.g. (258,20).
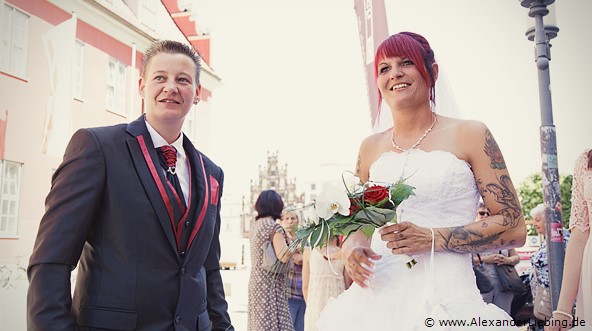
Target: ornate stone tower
(271,177)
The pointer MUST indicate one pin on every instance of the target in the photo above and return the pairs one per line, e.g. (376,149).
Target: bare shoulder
(373,139)
(461,137)
(469,128)
(371,144)
(370,148)
(460,126)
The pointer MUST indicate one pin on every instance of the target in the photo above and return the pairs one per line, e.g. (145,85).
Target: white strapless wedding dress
(401,299)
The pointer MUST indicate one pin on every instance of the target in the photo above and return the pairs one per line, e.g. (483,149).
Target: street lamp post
(542,34)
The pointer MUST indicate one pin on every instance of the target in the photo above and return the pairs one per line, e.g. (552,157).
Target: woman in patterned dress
(539,273)
(577,272)
(268,304)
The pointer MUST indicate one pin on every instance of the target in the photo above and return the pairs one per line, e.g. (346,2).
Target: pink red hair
(414,47)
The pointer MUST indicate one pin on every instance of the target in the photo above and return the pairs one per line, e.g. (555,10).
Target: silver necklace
(397,147)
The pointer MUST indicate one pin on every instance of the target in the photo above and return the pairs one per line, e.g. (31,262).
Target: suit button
(183,271)
(182,253)
(177,319)
(187,224)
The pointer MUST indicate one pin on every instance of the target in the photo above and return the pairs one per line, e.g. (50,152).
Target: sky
(293,81)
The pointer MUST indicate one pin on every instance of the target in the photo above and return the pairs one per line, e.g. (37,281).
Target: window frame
(12,39)
(116,87)
(8,198)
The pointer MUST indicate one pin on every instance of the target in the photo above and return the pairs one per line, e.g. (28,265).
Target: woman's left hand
(407,238)
(500,259)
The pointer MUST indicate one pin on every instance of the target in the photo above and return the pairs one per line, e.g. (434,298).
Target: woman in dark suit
(142,228)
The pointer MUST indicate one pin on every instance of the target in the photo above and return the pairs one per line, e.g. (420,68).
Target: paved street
(235,286)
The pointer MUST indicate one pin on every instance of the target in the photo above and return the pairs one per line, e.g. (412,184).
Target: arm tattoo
(492,150)
(358,166)
(504,195)
(466,240)
(463,240)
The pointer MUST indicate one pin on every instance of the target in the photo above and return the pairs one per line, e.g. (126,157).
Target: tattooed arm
(505,228)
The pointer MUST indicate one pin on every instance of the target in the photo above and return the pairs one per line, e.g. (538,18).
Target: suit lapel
(145,161)
(202,187)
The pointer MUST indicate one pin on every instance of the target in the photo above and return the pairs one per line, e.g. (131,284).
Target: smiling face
(411,47)
(401,83)
(169,88)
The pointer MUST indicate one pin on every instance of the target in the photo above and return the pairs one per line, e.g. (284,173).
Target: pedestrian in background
(577,271)
(322,278)
(268,304)
(498,297)
(539,273)
(289,222)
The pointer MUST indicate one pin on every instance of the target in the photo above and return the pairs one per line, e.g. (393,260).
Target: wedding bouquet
(341,211)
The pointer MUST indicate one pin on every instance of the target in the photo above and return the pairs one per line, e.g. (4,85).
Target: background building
(67,64)
(271,177)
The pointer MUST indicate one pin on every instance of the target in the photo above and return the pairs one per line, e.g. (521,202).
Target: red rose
(354,206)
(375,194)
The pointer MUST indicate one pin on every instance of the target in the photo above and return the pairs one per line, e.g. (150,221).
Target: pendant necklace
(397,147)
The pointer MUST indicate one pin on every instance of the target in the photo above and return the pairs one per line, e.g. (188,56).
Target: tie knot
(169,154)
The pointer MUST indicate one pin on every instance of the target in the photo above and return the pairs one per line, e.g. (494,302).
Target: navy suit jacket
(108,214)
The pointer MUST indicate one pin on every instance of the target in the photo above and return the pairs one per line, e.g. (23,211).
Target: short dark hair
(269,204)
(172,47)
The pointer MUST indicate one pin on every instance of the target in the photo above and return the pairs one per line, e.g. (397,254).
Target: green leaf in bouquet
(368,230)
(401,191)
(340,219)
(305,232)
(375,216)
(319,235)
(348,229)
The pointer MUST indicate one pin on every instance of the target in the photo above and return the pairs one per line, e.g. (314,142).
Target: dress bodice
(445,190)
(446,195)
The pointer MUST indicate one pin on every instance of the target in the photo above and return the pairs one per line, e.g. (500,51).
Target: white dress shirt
(182,168)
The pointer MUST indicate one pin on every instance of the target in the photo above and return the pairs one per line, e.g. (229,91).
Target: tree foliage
(530,192)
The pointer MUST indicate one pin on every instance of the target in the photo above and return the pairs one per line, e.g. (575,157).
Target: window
(10,188)
(77,70)
(14,41)
(148,15)
(116,87)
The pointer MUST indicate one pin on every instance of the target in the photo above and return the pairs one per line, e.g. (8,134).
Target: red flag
(373,28)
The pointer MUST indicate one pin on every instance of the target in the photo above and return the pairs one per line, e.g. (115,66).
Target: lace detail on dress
(444,185)
(581,198)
